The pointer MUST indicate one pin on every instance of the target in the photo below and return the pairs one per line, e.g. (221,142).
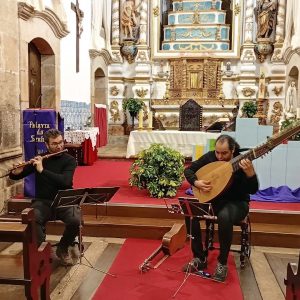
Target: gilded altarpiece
(195,79)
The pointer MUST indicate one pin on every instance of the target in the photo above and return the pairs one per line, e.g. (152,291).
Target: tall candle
(150,116)
(141,115)
(298,112)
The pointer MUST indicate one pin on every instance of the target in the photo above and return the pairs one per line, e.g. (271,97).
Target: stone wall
(10,140)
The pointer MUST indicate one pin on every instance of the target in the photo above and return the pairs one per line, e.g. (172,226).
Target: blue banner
(35,123)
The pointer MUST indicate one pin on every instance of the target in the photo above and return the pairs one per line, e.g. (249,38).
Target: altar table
(182,141)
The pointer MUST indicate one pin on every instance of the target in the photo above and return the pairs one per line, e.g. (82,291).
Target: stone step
(267,235)
(269,228)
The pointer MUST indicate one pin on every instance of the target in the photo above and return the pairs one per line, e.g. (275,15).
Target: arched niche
(42,30)
(99,77)
(100,86)
(41,74)
(176,21)
(293,75)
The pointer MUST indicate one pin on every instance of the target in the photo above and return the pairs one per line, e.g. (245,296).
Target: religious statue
(129,19)
(266,13)
(291,98)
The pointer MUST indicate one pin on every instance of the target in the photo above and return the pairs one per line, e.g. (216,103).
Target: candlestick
(150,116)
(141,115)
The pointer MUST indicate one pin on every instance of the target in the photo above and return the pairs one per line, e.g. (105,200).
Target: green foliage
(249,109)
(289,123)
(159,169)
(132,105)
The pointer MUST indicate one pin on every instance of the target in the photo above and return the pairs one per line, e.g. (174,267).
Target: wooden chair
(33,269)
(292,281)
(245,250)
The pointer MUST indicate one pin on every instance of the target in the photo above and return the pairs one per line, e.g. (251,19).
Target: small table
(87,139)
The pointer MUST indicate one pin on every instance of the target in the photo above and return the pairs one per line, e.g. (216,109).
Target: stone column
(277,68)
(115,23)
(279,38)
(143,22)
(247,88)
(248,38)
(280,21)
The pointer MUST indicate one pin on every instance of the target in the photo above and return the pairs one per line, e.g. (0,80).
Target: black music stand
(191,208)
(78,197)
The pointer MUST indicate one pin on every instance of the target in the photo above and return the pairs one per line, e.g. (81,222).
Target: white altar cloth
(182,141)
(79,136)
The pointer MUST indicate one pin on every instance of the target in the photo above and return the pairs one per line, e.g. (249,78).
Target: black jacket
(57,175)
(239,189)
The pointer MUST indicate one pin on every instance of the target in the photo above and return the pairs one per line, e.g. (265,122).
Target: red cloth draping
(100,121)
(89,153)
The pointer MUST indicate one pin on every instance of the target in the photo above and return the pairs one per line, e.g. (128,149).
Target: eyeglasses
(57,144)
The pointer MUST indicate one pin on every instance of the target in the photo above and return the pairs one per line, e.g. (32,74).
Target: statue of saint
(291,98)
(266,12)
(129,18)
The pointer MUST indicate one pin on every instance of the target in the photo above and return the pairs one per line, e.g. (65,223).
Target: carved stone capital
(27,12)
(102,53)
(248,54)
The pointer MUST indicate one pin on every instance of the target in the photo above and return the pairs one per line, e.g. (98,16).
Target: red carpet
(116,173)
(162,283)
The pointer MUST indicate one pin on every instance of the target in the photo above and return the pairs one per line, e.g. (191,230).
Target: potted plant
(133,106)
(159,169)
(289,123)
(249,109)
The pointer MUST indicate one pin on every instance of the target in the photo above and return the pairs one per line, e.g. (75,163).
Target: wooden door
(34,76)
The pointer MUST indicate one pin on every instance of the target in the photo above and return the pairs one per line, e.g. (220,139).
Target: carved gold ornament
(142,56)
(237,9)
(114,91)
(114,111)
(248,92)
(156,11)
(276,113)
(141,92)
(277,90)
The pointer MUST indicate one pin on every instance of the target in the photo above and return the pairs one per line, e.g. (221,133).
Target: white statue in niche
(291,102)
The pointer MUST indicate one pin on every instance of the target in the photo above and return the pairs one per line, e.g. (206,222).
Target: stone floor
(261,279)
(115,148)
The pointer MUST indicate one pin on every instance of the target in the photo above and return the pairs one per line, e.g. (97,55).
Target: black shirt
(239,190)
(57,175)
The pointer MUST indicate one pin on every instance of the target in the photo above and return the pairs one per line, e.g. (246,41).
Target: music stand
(191,208)
(100,195)
(77,197)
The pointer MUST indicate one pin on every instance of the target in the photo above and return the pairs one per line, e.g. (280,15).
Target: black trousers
(69,215)
(230,214)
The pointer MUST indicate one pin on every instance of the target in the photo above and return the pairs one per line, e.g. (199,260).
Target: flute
(30,162)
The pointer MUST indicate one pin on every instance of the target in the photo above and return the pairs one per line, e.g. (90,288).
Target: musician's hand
(247,166)
(38,163)
(203,185)
(17,170)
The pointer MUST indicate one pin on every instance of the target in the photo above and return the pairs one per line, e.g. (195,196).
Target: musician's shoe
(64,255)
(196,264)
(74,252)
(220,272)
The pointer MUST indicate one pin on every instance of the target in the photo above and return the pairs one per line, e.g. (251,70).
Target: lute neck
(266,147)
